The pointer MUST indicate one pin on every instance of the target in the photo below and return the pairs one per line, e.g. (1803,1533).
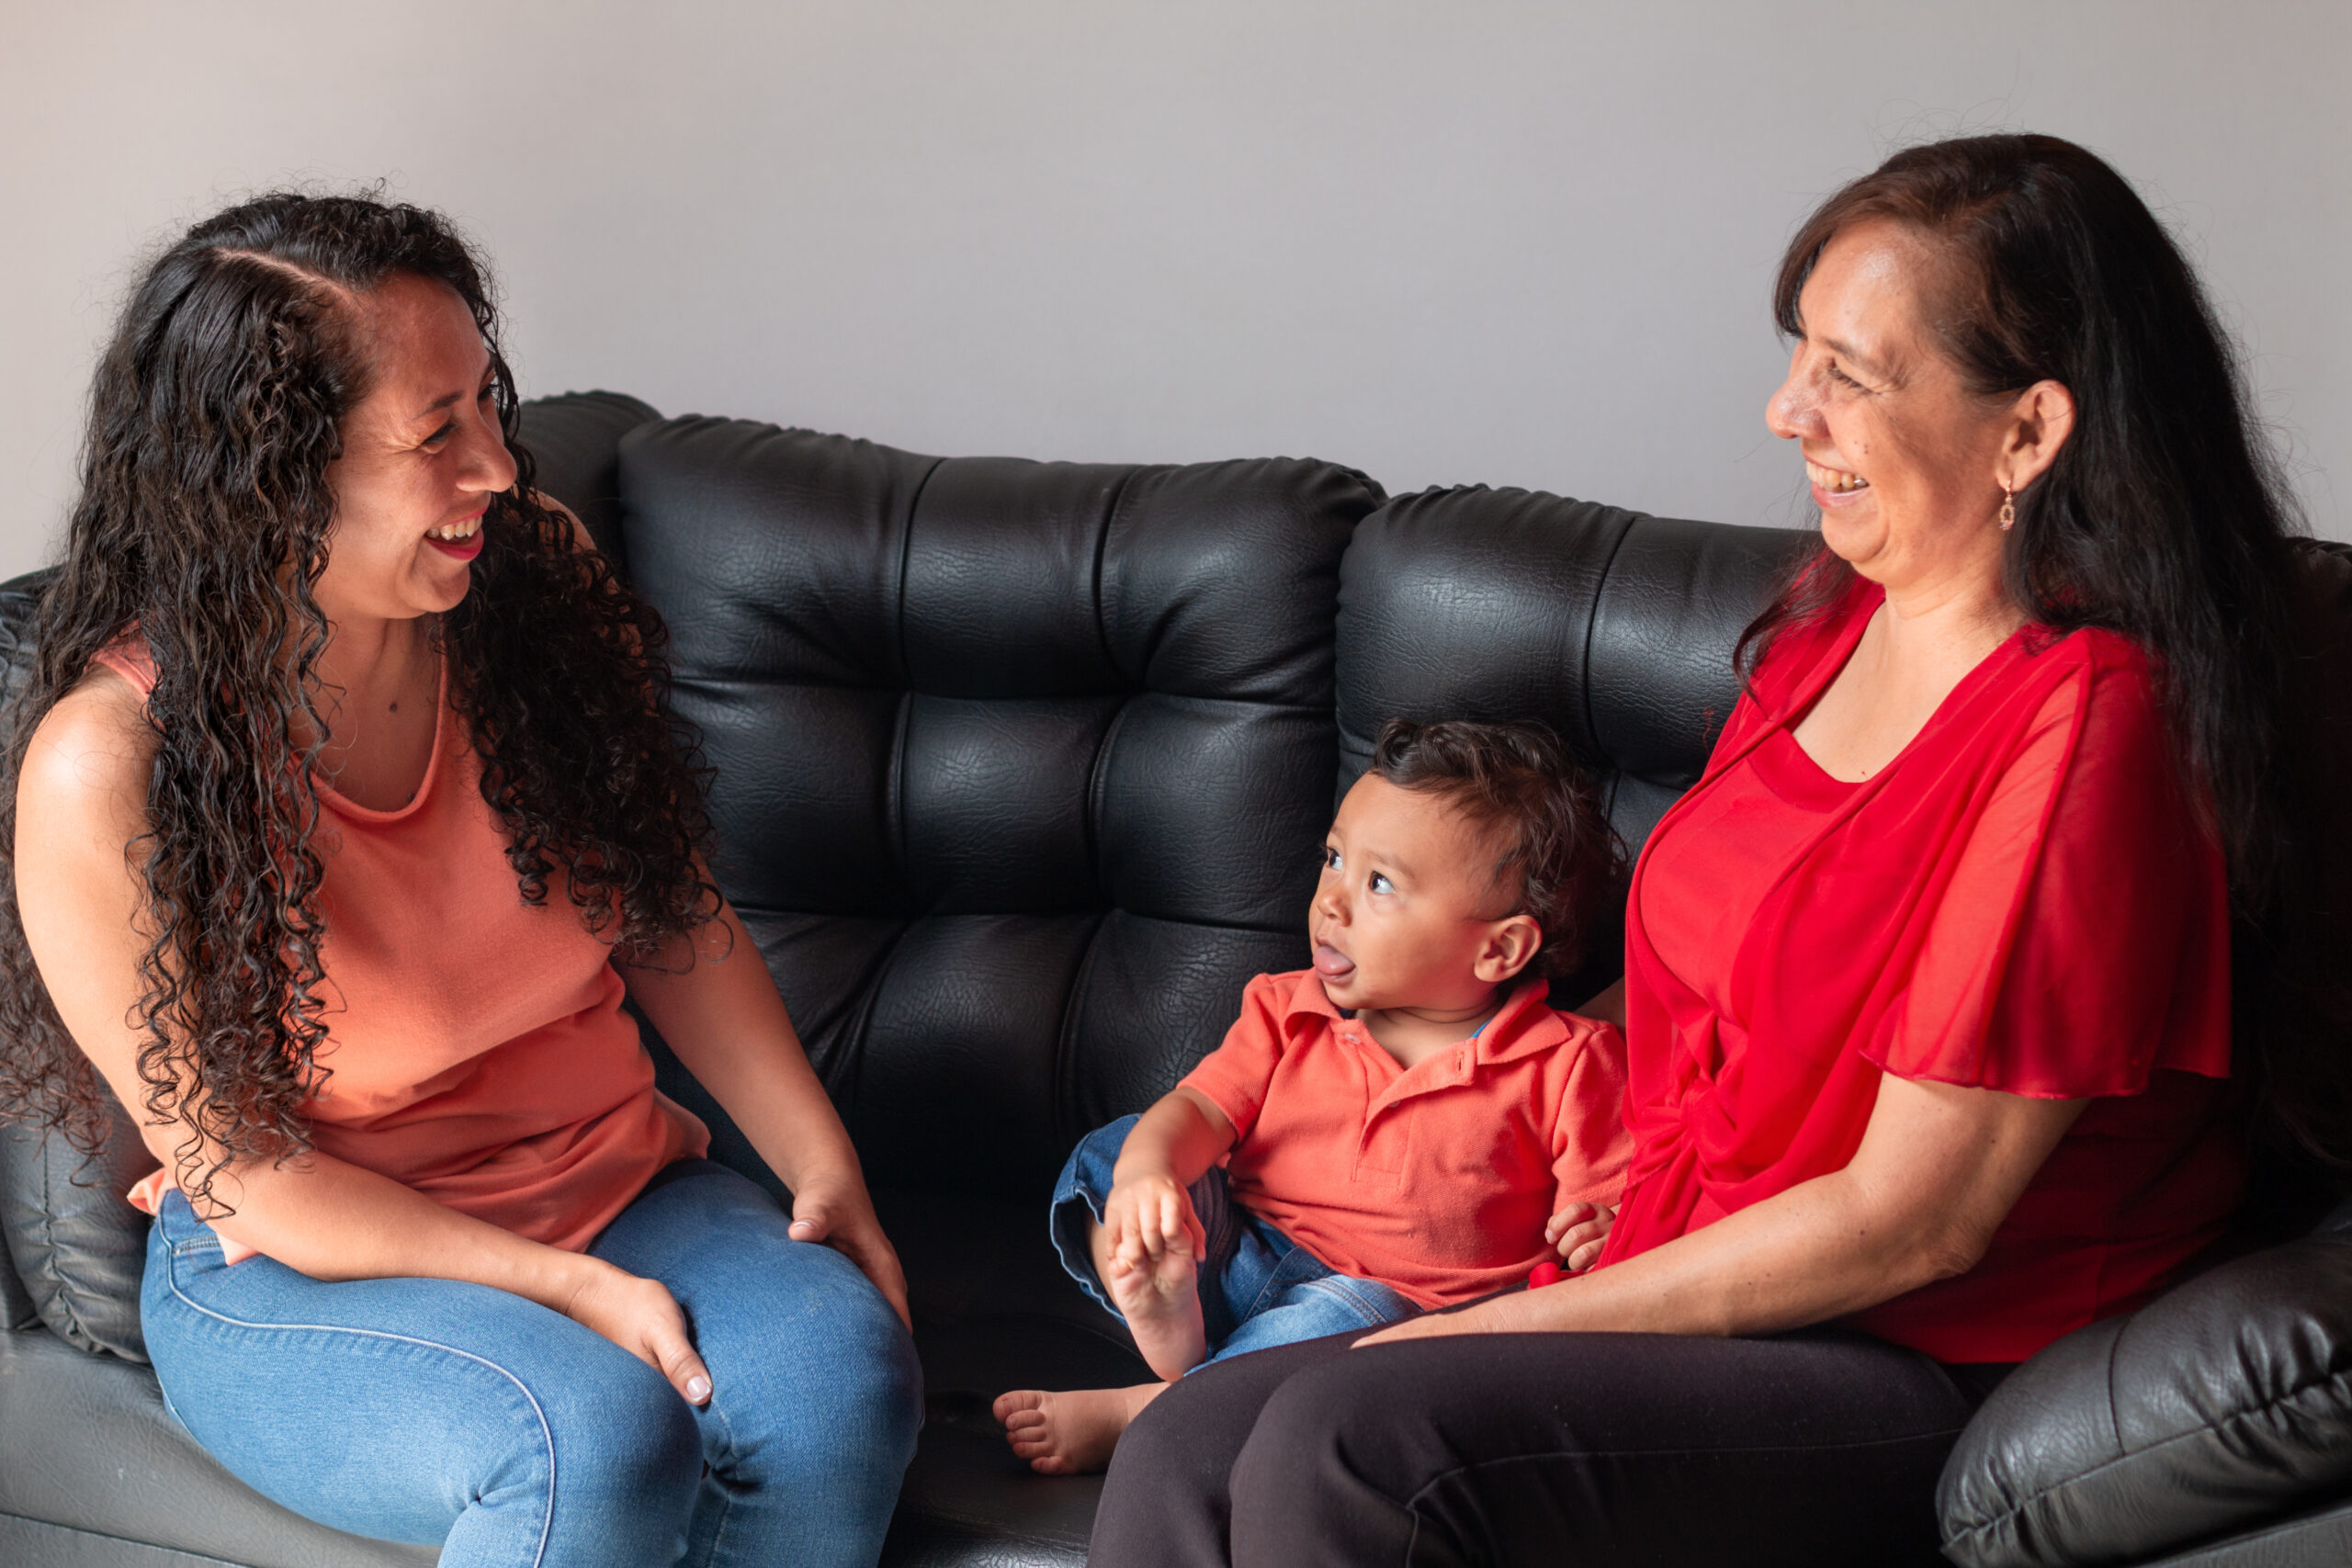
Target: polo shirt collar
(1508,1035)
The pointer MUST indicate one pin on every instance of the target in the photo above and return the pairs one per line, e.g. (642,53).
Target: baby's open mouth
(1332,963)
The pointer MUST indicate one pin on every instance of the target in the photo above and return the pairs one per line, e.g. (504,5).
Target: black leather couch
(1021,772)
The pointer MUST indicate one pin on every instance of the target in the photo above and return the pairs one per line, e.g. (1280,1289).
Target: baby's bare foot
(1162,1307)
(1067,1434)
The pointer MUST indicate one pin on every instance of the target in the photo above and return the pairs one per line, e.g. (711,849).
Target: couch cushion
(1021,766)
(2319,1537)
(16,1309)
(85,1444)
(574,439)
(78,1247)
(993,1310)
(2222,1405)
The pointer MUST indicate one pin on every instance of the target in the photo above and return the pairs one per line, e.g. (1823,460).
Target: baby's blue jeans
(1258,1287)
(436,1411)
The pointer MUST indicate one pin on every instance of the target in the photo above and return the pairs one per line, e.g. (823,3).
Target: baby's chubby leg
(1150,1263)
(1147,1251)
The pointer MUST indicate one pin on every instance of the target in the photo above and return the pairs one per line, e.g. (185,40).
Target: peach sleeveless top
(476,1048)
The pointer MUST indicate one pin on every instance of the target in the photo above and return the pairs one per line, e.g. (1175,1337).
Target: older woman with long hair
(1929,979)
(345,813)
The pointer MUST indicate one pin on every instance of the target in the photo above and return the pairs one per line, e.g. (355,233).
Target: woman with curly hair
(346,813)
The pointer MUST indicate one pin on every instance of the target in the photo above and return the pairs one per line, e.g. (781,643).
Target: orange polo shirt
(1435,1180)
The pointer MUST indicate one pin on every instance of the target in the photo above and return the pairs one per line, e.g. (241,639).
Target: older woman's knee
(1339,1417)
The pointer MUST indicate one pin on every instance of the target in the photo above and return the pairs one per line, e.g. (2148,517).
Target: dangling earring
(2008,508)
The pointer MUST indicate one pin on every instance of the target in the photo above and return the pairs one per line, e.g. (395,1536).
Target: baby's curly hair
(1557,856)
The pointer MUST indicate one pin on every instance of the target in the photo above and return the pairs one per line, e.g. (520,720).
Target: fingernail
(697,1389)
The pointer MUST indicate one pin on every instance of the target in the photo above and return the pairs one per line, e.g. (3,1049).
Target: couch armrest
(79,1248)
(2223,1404)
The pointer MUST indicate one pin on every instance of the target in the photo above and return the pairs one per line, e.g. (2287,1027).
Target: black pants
(1560,1449)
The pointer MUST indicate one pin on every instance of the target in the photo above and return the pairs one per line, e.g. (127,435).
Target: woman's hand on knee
(840,1213)
(642,1317)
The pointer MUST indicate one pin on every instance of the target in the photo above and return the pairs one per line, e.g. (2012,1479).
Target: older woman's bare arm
(1939,1170)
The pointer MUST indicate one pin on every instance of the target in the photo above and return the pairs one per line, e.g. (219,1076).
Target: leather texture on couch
(1021,772)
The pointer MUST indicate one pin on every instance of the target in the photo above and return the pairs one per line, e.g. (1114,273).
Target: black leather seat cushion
(17,1310)
(78,1248)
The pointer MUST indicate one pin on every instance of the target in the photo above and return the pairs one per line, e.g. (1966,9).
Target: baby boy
(1406,1125)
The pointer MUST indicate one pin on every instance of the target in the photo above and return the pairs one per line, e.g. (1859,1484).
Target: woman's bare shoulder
(90,753)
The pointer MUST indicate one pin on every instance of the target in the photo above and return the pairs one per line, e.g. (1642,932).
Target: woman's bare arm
(1939,1169)
(80,805)
(711,997)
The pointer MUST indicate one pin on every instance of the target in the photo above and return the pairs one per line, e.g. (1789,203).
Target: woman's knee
(879,1378)
(620,1437)
(839,1379)
(1336,1414)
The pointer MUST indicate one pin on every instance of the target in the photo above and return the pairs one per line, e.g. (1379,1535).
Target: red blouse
(2022,900)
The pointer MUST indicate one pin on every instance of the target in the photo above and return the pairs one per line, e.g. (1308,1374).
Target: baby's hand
(1147,1217)
(1577,1231)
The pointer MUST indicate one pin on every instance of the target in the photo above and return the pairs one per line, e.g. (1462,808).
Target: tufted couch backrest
(1021,766)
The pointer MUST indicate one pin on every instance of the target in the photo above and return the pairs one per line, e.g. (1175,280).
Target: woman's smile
(1828,484)
(460,540)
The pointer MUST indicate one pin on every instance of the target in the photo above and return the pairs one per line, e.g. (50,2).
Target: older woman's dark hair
(2162,518)
(1556,856)
(201,528)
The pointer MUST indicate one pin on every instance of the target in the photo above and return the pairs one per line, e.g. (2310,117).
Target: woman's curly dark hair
(204,520)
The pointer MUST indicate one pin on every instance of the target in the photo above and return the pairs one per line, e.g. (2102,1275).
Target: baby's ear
(1512,944)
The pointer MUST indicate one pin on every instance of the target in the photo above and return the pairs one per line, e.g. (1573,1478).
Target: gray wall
(1511,242)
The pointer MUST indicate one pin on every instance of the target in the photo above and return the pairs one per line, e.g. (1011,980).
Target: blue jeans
(436,1411)
(1258,1287)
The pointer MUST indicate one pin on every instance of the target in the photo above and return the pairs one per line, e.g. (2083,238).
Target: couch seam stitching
(906,556)
(1584,662)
